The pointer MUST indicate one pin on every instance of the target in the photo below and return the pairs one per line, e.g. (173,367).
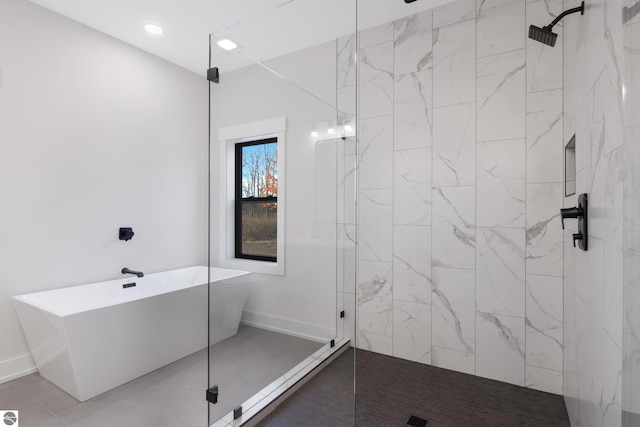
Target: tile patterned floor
(168,397)
(390,390)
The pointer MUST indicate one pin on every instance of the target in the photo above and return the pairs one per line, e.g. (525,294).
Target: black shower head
(543,35)
(409,1)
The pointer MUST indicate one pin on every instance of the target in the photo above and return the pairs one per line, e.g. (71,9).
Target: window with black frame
(256,201)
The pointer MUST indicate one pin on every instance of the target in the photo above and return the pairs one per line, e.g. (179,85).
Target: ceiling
(263,28)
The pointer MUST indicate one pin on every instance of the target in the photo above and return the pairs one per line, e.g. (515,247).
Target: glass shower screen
(281,201)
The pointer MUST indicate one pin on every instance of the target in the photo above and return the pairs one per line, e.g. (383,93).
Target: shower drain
(416,421)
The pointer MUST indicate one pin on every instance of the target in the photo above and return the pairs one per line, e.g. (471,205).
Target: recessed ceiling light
(227,44)
(153,29)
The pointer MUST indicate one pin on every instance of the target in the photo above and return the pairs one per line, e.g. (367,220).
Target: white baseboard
(288,326)
(16,368)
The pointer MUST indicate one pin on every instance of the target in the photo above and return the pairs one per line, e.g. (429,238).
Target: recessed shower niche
(570,167)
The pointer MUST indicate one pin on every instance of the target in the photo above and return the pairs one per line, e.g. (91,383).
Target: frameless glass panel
(631,295)
(282,211)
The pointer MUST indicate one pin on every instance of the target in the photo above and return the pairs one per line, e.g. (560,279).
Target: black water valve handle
(570,213)
(576,236)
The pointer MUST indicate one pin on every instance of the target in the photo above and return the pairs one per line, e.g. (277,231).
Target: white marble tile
(454,12)
(611,397)
(545,146)
(500,348)
(500,276)
(590,363)
(375,225)
(346,61)
(376,153)
(614,69)
(593,41)
(375,298)
(377,343)
(346,102)
(501,96)
(500,26)
(412,264)
(347,258)
(413,43)
(544,231)
(454,145)
(454,235)
(544,380)
(595,132)
(453,309)
(453,360)
(412,187)
(412,331)
(501,188)
(376,35)
(544,63)
(413,114)
(376,81)
(544,322)
(454,57)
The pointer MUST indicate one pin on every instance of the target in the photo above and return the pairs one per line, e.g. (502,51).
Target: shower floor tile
(391,390)
(170,396)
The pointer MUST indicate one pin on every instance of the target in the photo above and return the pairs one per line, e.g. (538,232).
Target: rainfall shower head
(544,34)
(409,1)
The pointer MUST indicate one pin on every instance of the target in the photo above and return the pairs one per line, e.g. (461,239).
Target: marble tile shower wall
(460,256)
(593,299)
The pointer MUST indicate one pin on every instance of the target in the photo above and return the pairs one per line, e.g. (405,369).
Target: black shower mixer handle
(570,213)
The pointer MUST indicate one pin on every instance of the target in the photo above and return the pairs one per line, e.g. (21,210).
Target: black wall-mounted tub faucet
(581,213)
(137,273)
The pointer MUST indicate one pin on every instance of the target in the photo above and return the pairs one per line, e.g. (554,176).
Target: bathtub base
(88,353)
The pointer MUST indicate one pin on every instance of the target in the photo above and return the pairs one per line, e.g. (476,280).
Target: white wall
(94,135)
(303,301)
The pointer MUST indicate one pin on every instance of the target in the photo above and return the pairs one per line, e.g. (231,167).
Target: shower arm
(565,13)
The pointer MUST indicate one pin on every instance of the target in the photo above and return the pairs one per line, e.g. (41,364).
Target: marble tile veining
(500,271)
(500,351)
(454,234)
(501,96)
(412,187)
(412,264)
(413,113)
(454,57)
(501,189)
(454,146)
(413,43)
(453,308)
(500,26)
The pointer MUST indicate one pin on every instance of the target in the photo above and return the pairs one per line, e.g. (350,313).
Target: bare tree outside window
(257,199)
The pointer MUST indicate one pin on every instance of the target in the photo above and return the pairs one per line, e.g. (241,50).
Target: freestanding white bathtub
(91,338)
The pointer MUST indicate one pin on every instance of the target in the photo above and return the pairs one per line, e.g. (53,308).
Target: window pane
(260,170)
(259,229)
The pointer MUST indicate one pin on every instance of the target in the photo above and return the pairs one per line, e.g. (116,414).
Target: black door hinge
(212,394)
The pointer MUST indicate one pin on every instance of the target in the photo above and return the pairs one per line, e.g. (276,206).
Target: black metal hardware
(128,285)
(576,236)
(333,343)
(237,413)
(125,233)
(213,75)
(128,271)
(581,213)
(416,421)
(342,314)
(212,394)
(544,34)
(570,213)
